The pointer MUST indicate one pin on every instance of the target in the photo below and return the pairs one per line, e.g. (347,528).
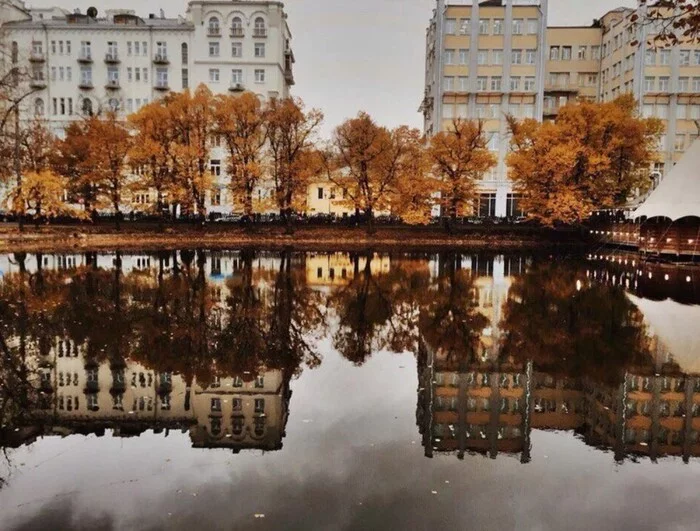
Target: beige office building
(486,59)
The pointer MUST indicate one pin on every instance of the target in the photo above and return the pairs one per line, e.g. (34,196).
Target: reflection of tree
(594,331)
(450,321)
(295,313)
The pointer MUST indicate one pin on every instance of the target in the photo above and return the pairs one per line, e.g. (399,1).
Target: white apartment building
(81,63)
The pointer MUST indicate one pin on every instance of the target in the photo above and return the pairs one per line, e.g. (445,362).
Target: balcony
(237,33)
(236,87)
(260,33)
(561,87)
(213,32)
(112,84)
(85,57)
(161,59)
(161,85)
(112,58)
(37,57)
(85,85)
(289,76)
(37,83)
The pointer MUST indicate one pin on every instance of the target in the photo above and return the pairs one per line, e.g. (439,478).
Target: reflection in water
(210,342)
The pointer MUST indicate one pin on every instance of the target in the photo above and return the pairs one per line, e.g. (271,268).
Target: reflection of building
(83,396)
(493,408)
(329,269)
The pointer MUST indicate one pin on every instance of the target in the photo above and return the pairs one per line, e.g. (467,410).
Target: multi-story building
(80,63)
(547,67)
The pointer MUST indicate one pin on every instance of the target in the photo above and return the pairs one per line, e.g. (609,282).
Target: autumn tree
(107,168)
(368,161)
(240,123)
(153,152)
(43,193)
(71,159)
(674,21)
(191,116)
(595,155)
(292,158)
(459,158)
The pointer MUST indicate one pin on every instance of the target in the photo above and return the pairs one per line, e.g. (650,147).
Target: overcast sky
(357,55)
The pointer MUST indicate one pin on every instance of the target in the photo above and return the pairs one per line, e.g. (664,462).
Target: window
(463,57)
(85,50)
(259,28)
(449,57)
(214,49)
(214,75)
(681,111)
(216,405)
(162,50)
(481,83)
(496,84)
(683,84)
(144,48)
(648,111)
(482,57)
(529,84)
(662,111)
(259,49)
(498,26)
(650,58)
(214,26)
(484,26)
(236,27)
(260,76)
(517,57)
(515,83)
(664,84)
(595,53)
(129,48)
(450,26)
(15,52)
(162,77)
(566,53)
(649,84)
(530,57)
(184,53)
(54,106)
(39,108)
(237,49)
(513,208)
(696,84)
(113,75)
(487,205)
(130,74)
(113,104)
(532,26)
(517,26)
(259,382)
(185,78)
(260,405)
(53,73)
(216,197)
(685,58)
(112,50)
(86,75)
(554,53)
(582,53)
(463,83)
(448,84)
(137,48)
(236,76)
(86,107)
(69,73)
(215,167)
(665,57)
(497,58)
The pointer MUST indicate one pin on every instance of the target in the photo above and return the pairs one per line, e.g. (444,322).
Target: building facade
(81,63)
(486,59)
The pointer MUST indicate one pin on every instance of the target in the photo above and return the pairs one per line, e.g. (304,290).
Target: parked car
(229,218)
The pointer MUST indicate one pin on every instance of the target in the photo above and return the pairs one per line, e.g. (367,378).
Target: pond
(277,390)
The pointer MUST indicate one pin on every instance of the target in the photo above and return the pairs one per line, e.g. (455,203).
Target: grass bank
(145,236)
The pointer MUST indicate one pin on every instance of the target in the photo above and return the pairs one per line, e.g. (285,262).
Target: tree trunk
(18,169)
(371,229)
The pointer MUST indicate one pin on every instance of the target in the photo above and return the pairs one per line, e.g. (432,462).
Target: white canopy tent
(675,325)
(678,195)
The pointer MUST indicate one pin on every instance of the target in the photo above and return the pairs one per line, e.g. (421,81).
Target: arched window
(87,107)
(39,107)
(185,53)
(236,27)
(214,27)
(259,28)
(15,52)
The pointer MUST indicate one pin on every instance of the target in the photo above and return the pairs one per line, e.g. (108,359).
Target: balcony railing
(237,32)
(214,32)
(260,32)
(561,87)
(236,87)
(161,59)
(161,85)
(85,57)
(37,83)
(37,57)
(112,84)
(112,58)
(85,84)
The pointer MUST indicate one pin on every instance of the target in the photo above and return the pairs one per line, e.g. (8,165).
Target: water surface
(255,390)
